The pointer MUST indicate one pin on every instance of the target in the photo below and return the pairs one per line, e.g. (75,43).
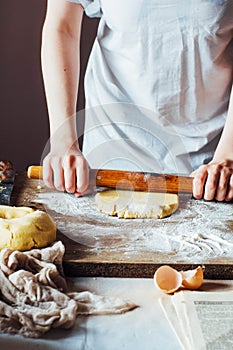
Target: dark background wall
(24,128)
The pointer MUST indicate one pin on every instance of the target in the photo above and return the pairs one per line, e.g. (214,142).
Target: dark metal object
(7,177)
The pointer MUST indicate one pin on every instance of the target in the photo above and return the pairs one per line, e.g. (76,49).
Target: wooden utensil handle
(138,181)
(130,180)
(35,172)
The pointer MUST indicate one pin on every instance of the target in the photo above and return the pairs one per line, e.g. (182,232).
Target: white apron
(158,82)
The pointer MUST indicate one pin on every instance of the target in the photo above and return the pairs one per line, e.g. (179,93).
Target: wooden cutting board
(198,234)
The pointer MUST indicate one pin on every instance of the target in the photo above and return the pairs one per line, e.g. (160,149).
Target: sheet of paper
(201,320)
(210,317)
(174,321)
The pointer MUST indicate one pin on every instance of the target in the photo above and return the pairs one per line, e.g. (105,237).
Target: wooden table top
(107,247)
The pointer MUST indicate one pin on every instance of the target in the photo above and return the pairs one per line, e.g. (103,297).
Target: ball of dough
(23,228)
(136,205)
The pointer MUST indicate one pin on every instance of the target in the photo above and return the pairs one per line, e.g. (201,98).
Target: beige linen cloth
(34,296)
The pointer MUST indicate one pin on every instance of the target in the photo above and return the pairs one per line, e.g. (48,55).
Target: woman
(158,87)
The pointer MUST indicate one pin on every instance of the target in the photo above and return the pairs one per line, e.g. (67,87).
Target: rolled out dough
(132,205)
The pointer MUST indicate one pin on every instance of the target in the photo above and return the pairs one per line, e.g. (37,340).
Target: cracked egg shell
(167,279)
(192,279)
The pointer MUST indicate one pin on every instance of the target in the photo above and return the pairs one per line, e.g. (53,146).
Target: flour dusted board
(199,233)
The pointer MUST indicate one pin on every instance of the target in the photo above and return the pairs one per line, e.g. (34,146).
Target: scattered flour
(199,231)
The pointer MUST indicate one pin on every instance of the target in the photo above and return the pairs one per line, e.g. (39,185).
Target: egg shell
(167,279)
(193,279)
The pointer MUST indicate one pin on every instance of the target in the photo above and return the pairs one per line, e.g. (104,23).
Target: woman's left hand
(214,181)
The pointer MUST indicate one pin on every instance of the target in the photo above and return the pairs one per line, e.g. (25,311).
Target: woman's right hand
(65,168)
(67,171)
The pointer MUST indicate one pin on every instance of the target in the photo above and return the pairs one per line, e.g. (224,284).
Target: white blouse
(158,83)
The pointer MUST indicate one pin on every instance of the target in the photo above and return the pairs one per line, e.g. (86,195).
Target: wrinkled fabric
(92,7)
(160,73)
(34,296)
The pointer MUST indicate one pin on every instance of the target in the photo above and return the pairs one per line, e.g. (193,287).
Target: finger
(222,185)
(69,174)
(211,183)
(193,173)
(229,195)
(58,175)
(48,174)
(199,179)
(85,193)
(82,175)
(69,180)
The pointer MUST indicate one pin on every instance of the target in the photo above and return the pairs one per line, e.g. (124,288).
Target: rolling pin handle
(35,172)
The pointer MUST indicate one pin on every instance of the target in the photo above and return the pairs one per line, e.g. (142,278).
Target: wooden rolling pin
(131,180)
